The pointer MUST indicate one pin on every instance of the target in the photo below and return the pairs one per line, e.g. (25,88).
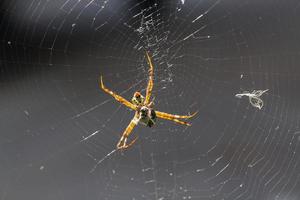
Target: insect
(143,107)
(254,97)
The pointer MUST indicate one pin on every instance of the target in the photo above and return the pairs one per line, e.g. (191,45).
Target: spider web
(57,125)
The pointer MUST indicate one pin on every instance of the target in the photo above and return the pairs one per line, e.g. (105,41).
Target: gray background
(56,123)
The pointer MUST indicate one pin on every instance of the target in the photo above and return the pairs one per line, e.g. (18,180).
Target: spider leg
(117,97)
(174,118)
(171,116)
(180,122)
(150,81)
(122,144)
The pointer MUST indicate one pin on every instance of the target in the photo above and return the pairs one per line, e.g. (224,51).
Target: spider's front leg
(122,144)
(150,81)
(116,96)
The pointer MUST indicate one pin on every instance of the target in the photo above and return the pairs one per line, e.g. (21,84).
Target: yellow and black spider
(143,107)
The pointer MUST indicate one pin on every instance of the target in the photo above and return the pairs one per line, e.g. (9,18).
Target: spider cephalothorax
(138,99)
(144,113)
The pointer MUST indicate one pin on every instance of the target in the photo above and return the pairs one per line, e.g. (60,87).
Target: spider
(143,107)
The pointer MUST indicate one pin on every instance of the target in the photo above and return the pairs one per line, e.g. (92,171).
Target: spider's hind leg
(153,115)
(152,118)
(175,118)
(150,123)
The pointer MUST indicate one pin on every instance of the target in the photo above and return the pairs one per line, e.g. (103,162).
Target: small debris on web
(254,97)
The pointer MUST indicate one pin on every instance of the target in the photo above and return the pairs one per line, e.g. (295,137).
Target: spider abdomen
(147,116)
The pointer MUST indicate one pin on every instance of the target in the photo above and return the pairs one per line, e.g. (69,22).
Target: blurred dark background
(56,124)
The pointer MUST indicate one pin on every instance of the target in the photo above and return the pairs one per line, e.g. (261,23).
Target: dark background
(56,124)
